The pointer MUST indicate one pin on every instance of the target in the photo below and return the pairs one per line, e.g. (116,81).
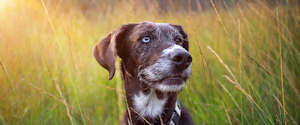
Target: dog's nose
(181,59)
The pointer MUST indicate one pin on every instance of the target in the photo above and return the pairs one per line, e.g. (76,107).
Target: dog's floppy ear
(184,35)
(106,50)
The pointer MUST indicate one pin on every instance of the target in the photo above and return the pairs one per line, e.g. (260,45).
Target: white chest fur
(149,105)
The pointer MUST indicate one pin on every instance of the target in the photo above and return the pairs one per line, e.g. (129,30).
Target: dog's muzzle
(170,71)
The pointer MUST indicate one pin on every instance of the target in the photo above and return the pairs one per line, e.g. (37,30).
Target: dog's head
(156,53)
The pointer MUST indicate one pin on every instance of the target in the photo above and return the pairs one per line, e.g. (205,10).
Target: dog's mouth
(168,80)
(171,83)
(166,84)
(176,80)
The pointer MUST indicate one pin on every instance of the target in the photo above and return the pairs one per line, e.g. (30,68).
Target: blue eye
(146,39)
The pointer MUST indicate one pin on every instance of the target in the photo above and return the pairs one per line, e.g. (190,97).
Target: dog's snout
(181,59)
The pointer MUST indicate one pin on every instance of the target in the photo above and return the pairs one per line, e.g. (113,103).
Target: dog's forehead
(163,26)
(167,28)
(158,28)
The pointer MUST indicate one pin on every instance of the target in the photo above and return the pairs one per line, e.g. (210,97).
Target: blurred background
(246,59)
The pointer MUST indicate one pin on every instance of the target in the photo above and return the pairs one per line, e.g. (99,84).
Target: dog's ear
(106,50)
(184,35)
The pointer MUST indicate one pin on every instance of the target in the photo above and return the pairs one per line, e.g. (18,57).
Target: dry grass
(285,110)
(64,100)
(61,101)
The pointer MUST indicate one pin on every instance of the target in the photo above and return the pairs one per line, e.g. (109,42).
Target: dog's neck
(145,102)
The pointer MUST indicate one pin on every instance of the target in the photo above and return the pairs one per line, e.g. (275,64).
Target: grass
(49,76)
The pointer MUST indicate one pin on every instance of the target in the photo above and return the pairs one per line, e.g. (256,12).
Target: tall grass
(258,43)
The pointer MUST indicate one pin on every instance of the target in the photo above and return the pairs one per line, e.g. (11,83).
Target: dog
(155,65)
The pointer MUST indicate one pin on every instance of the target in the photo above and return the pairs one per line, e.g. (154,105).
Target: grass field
(246,61)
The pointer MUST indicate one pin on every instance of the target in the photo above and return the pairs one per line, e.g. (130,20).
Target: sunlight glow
(4,4)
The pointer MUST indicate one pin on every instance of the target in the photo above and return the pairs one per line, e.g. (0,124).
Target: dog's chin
(172,84)
(169,84)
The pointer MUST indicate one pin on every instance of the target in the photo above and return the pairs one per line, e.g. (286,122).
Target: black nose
(181,59)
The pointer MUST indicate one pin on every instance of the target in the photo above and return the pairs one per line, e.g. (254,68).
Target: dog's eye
(178,41)
(146,39)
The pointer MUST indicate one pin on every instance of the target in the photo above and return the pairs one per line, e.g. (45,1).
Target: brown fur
(124,42)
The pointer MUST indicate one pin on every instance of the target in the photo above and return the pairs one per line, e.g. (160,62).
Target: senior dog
(155,65)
